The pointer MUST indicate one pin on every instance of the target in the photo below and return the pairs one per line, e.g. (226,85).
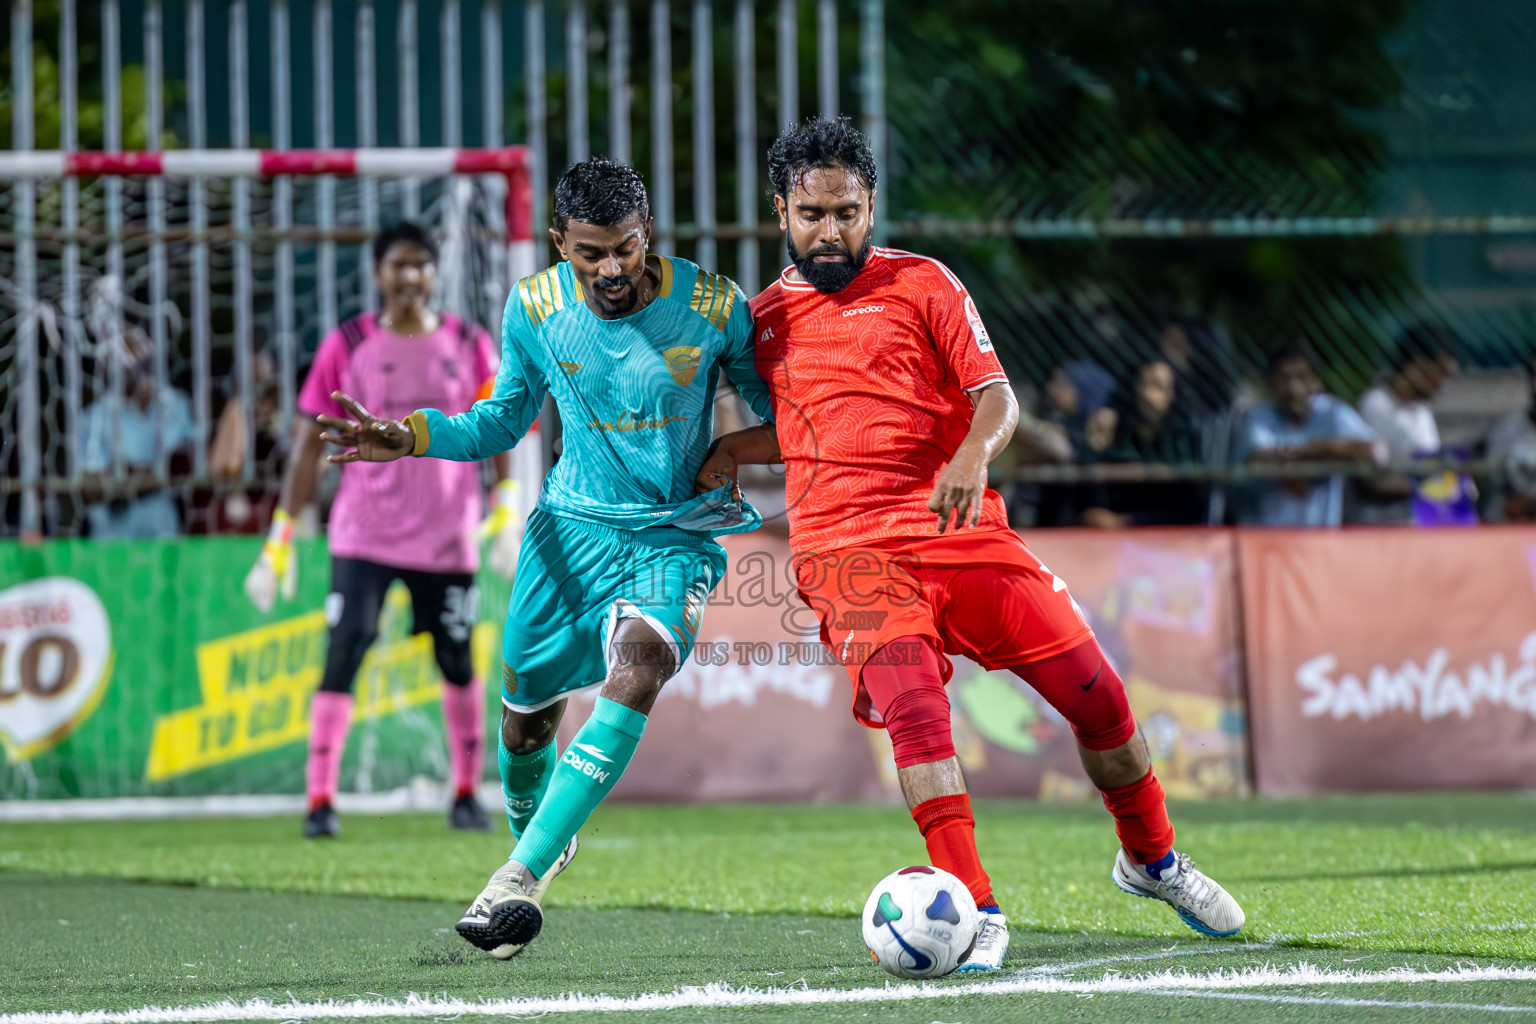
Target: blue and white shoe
(991,944)
(1204,905)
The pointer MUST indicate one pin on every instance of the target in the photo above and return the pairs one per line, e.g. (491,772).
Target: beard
(830,277)
(624,306)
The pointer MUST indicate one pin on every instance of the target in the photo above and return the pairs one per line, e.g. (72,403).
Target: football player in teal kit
(618,558)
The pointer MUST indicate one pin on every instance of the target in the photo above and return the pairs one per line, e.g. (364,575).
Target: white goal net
(214,276)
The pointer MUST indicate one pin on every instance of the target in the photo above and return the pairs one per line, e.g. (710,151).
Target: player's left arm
(964,345)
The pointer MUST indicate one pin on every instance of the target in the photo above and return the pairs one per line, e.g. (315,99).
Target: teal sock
(592,764)
(524,780)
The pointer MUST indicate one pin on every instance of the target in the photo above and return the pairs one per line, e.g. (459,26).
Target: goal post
(218,271)
(214,275)
(510,162)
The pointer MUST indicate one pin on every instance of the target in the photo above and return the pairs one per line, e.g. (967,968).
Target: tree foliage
(1043,109)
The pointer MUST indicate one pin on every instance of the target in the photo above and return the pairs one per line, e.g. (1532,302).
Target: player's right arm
(964,345)
(495,424)
(491,426)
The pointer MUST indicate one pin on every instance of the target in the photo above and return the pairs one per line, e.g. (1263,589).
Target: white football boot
(477,923)
(1203,904)
(991,945)
(505,917)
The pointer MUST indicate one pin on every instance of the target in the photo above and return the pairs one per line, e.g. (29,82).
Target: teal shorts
(576,580)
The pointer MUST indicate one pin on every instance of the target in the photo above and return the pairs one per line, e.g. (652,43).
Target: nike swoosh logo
(1089,684)
(592,751)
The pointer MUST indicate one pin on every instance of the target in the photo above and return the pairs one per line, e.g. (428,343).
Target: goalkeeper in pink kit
(416,521)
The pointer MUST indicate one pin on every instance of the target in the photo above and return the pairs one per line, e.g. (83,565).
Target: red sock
(1141,819)
(949,829)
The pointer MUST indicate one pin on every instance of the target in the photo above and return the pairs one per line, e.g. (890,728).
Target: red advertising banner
(1163,604)
(1391,658)
(761,710)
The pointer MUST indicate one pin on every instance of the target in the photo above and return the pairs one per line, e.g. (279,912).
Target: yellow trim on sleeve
(713,297)
(556,298)
(543,296)
(417,421)
(525,293)
(729,303)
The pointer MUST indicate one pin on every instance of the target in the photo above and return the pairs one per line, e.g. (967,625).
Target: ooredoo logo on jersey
(55,657)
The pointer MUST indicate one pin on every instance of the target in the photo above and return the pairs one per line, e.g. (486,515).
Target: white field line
(1285,937)
(1394,1004)
(719,995)
(1166,954)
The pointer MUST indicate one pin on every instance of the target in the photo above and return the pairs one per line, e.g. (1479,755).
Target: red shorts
(980,594)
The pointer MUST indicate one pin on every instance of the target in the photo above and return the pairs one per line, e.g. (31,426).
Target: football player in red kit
(889,404)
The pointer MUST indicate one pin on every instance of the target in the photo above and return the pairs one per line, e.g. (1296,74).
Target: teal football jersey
(636,397)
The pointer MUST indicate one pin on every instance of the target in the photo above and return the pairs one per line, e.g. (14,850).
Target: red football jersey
(869,396)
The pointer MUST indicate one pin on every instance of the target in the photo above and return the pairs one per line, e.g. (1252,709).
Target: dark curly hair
(403,231)
(600,192)
(815,143)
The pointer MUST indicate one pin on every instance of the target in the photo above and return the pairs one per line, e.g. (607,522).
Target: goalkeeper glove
(503,526)
(276,568)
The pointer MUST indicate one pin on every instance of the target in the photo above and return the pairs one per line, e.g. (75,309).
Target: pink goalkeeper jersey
(410,513)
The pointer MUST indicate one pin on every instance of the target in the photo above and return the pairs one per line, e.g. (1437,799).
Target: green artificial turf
(662,898)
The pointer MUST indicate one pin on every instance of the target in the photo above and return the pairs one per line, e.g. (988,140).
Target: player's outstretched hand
(368,438)
(960,491)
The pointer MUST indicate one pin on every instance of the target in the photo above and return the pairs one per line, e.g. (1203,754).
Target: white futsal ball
(921,922)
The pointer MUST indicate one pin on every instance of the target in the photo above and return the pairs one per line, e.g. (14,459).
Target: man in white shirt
(1397,408)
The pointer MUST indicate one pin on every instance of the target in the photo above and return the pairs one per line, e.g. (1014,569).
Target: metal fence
(222,283)
(1200,183)
(1195,182)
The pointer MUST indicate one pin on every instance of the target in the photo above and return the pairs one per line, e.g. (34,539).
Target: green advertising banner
(140,669)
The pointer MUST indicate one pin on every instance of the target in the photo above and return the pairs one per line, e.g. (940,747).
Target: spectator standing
(1398,410)
(1301,423)
(1076,406)
(1151,426)
(1202,362)
(144,423)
